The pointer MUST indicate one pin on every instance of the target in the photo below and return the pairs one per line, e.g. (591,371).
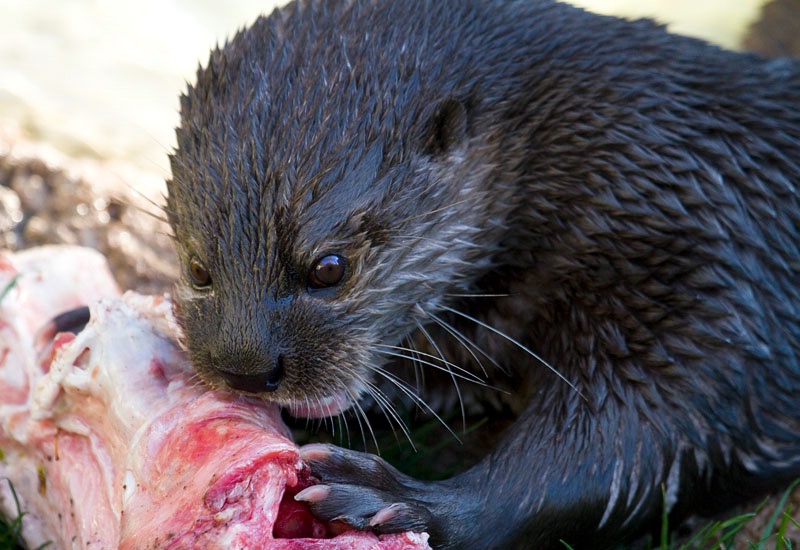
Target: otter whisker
(519,345)
(468,344)
(337,419)
(385,404)
(452,375)
(323,420)
(344,427)
(448,368)
(376,394)
(155,216)
(160,207)
(195,379)
(469,295)
(362,414)
(445,362)
(415,352)
(419,372)
(327,417)
(403,387)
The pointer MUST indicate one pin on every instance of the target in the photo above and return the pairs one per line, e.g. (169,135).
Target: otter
(597,217)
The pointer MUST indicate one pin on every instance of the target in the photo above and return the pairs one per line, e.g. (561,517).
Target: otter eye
(198,273)
(328,271)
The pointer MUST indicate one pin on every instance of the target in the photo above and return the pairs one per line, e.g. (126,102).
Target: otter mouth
(321,407)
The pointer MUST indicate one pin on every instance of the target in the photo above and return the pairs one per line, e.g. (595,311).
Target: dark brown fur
(777,31)
(628,197)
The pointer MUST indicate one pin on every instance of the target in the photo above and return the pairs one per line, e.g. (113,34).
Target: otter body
(479,185)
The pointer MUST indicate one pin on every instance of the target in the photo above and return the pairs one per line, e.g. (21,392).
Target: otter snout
(247,363)
(260,381)
(242,347)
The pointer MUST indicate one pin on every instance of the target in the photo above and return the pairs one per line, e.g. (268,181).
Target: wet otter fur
(481,181)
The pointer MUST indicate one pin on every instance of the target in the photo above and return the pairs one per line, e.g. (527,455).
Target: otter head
(324,206)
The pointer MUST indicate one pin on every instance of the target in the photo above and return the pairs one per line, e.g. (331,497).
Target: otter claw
(313,494)
(364,491)
(385,515)
(314,452)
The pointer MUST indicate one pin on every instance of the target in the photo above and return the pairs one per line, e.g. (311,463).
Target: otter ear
(445,127)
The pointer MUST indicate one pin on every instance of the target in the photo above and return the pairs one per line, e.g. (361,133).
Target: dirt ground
(49,198)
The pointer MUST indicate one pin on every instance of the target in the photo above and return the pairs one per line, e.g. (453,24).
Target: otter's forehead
(292,125)
(302,88)
(289,110)
(318,81)
(315,75)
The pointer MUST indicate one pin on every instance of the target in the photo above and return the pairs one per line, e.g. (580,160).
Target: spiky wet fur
(627,197)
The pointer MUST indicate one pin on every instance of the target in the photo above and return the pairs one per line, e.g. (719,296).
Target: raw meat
(111,442)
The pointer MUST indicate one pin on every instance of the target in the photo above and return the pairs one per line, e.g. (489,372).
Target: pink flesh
(110,441)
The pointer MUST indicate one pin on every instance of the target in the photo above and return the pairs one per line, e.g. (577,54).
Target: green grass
(8,287)
(10,531)
(720,535)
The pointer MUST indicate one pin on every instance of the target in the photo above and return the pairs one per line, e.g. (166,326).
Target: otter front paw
(364,491)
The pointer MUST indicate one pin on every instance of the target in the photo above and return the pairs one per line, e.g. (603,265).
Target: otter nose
(256,382)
